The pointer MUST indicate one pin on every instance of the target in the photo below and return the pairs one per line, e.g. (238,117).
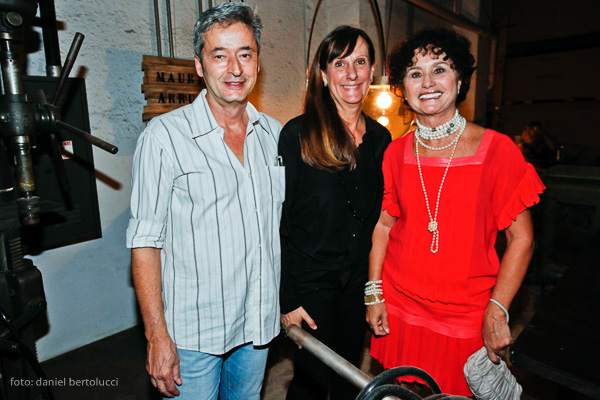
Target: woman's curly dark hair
(436,41)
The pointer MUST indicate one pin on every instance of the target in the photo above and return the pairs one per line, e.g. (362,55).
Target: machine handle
(111,148)
(69,62)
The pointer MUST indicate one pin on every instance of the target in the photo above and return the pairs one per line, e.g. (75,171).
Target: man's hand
(162,364)
(162,361)
(296,317)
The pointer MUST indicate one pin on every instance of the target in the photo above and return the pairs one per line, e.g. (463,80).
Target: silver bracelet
(496,302)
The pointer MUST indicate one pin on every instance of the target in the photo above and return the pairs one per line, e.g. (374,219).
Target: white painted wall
(88,285)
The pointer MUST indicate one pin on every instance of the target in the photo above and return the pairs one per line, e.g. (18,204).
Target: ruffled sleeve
(525,195)
(517,184)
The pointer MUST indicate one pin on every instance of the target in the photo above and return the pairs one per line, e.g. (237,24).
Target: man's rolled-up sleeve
(151,185)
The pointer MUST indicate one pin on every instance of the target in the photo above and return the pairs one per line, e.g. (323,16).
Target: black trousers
(334,299)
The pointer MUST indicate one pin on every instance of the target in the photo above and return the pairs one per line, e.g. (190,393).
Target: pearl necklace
(461,126)
(433,225)
(441,131)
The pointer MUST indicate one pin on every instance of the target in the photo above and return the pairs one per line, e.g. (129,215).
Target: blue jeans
(237,375)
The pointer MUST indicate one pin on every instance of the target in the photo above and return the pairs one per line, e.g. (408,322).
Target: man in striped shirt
(207,190)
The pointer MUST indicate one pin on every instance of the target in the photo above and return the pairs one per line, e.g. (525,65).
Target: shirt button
(354,235)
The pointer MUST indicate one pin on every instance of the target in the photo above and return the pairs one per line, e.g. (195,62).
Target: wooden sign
(169,83)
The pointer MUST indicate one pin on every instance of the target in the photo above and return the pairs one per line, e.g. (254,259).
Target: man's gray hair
(226,14)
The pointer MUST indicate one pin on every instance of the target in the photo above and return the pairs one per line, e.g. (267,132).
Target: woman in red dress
(437,291)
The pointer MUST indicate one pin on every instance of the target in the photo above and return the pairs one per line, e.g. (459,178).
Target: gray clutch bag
(489,381)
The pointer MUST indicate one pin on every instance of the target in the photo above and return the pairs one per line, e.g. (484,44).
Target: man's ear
(198,64)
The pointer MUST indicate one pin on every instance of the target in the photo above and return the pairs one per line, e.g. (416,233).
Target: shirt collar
(207,122)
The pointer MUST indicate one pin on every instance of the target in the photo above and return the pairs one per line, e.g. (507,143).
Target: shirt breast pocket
(277,175)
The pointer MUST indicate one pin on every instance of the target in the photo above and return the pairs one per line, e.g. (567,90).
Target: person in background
(450,186)
(334,186)
(537,147)
(206,199)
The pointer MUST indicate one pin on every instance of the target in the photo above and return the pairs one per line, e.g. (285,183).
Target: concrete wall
(88,285)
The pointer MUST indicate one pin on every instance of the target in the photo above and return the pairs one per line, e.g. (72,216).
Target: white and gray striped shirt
(217,223)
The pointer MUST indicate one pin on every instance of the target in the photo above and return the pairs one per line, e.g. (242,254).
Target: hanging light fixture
(379,100)
(380,103)
(383,100)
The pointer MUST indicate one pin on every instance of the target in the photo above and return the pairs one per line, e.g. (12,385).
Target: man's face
(230,64)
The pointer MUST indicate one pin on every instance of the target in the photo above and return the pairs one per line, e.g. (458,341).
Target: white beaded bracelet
(496,302)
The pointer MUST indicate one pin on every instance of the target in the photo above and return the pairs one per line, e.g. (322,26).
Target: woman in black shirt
(334,186)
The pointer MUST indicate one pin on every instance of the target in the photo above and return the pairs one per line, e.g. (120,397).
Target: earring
(458,89)
(325,84)
(371,78)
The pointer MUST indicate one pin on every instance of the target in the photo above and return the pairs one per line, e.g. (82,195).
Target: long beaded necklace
(433,225)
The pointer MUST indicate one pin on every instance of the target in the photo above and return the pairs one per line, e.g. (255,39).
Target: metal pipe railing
(329,357)
(372,388)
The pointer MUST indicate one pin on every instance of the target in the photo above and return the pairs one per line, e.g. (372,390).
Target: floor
(119,361)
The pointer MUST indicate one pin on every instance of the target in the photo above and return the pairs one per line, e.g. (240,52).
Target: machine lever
(69,62)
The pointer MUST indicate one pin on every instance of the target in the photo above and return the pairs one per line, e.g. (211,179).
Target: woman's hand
(377,319)
(377,316)
(519,249)
(296,317)
(495,332)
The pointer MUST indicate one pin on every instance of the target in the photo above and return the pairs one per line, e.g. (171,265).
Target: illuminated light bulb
(384,100)
(383,120)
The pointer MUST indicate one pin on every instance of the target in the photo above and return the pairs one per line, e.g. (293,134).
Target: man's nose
(235,66)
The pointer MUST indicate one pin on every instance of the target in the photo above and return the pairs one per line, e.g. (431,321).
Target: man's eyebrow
(249,48)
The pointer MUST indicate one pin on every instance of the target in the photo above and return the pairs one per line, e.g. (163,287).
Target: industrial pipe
(344,368)
(371,388)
